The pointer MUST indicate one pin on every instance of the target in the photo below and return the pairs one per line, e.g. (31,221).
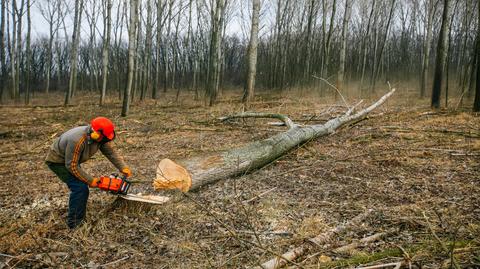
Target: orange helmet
(103,126)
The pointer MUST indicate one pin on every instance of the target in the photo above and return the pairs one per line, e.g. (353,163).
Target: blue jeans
(77,203)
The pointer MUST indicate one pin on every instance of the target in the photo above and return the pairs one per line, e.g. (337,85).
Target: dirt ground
(417,170)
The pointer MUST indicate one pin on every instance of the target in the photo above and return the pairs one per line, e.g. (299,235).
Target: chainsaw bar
(151,199)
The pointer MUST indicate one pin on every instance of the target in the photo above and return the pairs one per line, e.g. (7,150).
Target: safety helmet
(103,126)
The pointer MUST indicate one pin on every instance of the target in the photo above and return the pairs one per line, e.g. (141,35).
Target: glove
(126,172)
(94,183)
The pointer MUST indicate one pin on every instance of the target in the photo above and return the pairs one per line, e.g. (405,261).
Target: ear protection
(95,135)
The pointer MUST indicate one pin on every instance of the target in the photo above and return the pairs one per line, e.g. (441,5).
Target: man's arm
(112,155)
(72,159)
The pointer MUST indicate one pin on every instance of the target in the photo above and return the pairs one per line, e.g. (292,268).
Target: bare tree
(148,51)
(365,44)
(74,53)
(429,13)
(216,13)
(19,13)
(107,25)
(249,91)
(476,102)
(3,63)
(28,55)
(160,23)
(376,65)
(343,49)
(131,55)
(49,10)
(327,41)
(442,50)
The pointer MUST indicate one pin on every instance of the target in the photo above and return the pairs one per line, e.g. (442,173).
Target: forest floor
(417,170)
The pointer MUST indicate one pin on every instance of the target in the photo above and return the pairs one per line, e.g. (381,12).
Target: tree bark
(476,102)
(343,49)
(148,51)
(426,47)
(160,23)
(19,50)
(107,25)
(382,48)
(249,92)
(442,50)
(365,44)
(328,41)
(72,84)
(3,64)
(28,55)
(131,55)
(206,170)
(213,57)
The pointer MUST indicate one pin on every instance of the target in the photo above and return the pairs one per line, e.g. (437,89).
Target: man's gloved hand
(94,183)
(126,172)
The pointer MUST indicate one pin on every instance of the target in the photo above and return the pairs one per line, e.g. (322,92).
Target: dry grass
(401,162)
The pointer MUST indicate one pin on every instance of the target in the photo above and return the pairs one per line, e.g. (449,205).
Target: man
(74,147)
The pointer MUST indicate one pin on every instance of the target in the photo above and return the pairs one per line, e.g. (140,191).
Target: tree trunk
(343,49)
(476,102)
(3,65)
(72,84)
(249,92)
(19,50)
(213,57)
(365,44)
(28,55)
(426,47)
(107,25)
(206,170)
(160,9)
(328,41)
(148,51)
(379,59)
(131,55)
(441,55)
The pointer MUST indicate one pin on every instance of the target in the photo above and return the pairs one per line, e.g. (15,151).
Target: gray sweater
(75,147)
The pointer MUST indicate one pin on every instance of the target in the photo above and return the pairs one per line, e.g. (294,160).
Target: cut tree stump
(204,170)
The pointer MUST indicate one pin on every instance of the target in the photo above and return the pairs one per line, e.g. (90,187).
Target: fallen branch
(320,239)
(350,247)
(285,119)
(208,169)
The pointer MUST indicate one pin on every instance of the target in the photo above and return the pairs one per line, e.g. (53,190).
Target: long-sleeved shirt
(75,147)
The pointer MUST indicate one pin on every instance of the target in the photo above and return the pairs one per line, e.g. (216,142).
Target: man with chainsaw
(76,146)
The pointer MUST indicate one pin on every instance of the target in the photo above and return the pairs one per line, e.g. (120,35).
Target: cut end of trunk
(172,176)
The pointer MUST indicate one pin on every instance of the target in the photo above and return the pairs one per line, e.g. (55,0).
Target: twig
(117,261)
(442,244)
(260,195)
(396,264)
(234,233)
(285,119)
(329,84)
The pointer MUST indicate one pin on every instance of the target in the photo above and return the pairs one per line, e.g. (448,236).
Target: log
(204,170)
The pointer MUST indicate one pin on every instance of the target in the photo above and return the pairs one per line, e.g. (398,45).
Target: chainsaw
(119,186)
(114,184)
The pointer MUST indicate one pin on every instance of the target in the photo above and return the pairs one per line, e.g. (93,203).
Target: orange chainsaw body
(114,184)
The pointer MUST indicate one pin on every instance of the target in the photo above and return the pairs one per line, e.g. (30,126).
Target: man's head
(103,129)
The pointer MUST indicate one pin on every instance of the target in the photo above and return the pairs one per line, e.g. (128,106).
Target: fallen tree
(199,171)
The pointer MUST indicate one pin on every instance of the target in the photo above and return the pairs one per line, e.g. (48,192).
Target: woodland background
(139,49)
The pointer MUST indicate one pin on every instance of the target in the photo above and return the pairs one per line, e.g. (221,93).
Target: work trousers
(77,203)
